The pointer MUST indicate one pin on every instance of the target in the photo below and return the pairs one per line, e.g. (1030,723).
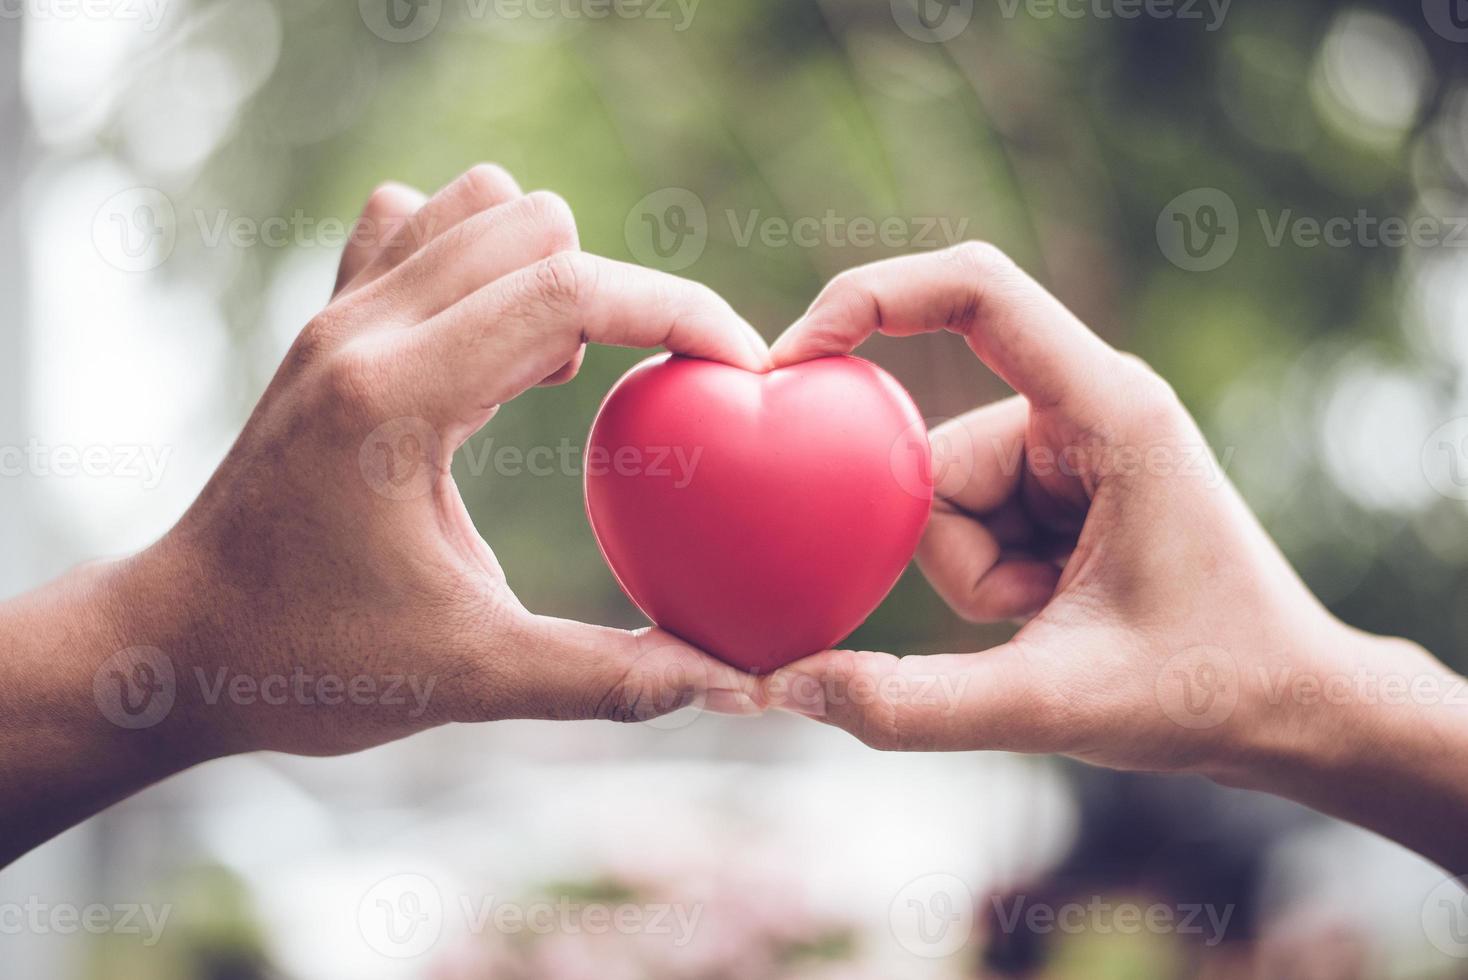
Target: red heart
(760,517)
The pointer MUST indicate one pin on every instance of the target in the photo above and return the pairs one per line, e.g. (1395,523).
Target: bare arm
(328,592)
(1163,629)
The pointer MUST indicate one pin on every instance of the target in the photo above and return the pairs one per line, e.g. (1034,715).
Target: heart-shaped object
(760,517)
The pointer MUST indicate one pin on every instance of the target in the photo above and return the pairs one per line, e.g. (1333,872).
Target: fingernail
(727,702)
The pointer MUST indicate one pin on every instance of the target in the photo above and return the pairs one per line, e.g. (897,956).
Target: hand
(1164,629)
(327,591)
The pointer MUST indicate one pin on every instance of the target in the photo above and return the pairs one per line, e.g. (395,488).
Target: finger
(477,189)
(382,218)
(575,671)
(978,579)
(479,250)
(521,329)
(1017,328)
(978,457)
(987,700)
(568,370)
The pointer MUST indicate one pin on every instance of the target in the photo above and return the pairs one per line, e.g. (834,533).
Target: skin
(1163,630)
(332,541)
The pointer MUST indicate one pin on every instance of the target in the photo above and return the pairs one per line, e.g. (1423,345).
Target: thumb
(944,702)
(576,671)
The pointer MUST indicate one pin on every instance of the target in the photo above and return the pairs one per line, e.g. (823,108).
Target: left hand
(333,541)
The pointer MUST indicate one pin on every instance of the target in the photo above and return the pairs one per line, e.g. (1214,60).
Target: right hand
(1163,628)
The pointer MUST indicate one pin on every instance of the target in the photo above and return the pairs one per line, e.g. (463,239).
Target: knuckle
(351,378)
(850,295)
(315,340)
(562,279)
(487,184)
(856,686)
(382,201)
(983,258)
(553,217)
(1155,403)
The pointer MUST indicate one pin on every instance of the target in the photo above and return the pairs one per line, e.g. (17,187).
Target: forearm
(83,723)
(1380,738)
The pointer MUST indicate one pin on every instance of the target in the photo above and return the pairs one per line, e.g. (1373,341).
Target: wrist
(88,697)
(155,607)
(1368,728)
